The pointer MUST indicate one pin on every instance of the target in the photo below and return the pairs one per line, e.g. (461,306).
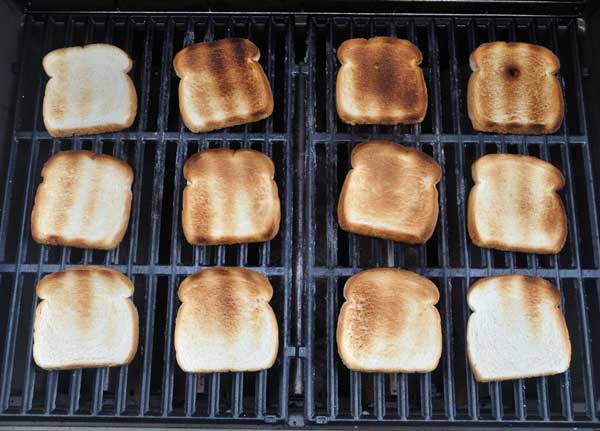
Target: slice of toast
(514,89)
(83,201)
(225,322)
(89,91)
(380,82)
(389,322)
(222,85)
(230,197)
(514,205)
(516,329)
(390,193)
(85,319)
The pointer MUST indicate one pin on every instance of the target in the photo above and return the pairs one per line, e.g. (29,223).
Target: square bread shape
(84,201)
(222,85)
(380,82)
(230,197)
(85,319)
(89,90)
(514,89)
(514,206)
(516,329)
(389,322)
(225,322)
(390,193)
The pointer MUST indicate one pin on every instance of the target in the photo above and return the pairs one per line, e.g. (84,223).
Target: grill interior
(311,258)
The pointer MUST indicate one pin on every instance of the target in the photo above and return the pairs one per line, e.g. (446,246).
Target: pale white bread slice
(380,82)
(83,201)
(222,85)
(225,322)
(516,329)
(89,90)
(389,322)
(230,197)
(85,319)
(390,193)
(514,205)
(514,89)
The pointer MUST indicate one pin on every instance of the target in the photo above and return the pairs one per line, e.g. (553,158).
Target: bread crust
(508,295)
(380,82)
(542,218)
(388,319)
(231,197)
(222,76)
(59,132)
(514,89)
(225,296)
(122,287)
(380,196)
(44,197)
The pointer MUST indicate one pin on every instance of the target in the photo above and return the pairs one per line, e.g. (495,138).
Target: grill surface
(311,258)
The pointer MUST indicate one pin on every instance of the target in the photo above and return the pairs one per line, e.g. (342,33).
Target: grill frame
(302,269)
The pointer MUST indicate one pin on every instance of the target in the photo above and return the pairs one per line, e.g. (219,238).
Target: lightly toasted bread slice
(225,322)
(514,206)
(230,197)
(83,201)
(85,319)
(514,89)
(389,322)
(390,193)
(516,329)
(380,82)
(222,85)
(89,90)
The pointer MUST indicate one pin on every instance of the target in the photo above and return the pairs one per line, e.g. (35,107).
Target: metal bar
(342,138)
(449,402)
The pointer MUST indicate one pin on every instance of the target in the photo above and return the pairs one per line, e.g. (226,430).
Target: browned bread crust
(225,322)
(83,201)
(78,102)
(230,198)
(514,89)
(514,206)
(222,85)
(86,319)
(380,82)
(516,329)
(390,193)
(389,322)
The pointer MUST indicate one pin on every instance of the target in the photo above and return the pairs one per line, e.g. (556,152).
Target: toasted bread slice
(516,329)
(514,205)
(514,89)
(380,82)
(85,319)
(89,91)
(222,84)
(389,322)
(230,198)
(390,193)
(225,322)
(83,201)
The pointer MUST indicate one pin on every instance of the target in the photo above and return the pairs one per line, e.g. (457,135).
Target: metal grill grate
(311,258)
(154,253)
(449,394)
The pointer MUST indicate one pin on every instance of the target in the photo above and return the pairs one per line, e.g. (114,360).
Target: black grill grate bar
(449,401)
(342,138)
(476,272)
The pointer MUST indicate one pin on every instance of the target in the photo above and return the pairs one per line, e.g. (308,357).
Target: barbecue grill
(311,258)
